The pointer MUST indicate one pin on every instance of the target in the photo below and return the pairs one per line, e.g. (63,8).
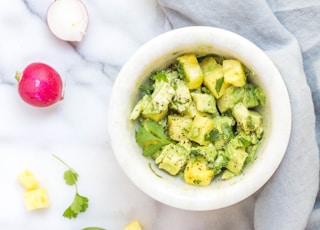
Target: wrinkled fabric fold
(287,200)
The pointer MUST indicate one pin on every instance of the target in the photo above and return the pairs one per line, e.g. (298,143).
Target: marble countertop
(75,129)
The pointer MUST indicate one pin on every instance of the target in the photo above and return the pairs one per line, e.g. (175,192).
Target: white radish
(68,19)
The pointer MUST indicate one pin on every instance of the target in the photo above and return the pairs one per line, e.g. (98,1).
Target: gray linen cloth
(289,32)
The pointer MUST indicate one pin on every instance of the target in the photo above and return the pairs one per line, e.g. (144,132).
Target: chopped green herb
(150,166)
(160,76)
(79,203)
(213,136)
(150,135)
(219,84)
(146,88)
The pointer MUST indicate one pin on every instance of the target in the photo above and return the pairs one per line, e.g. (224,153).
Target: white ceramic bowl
(157,54)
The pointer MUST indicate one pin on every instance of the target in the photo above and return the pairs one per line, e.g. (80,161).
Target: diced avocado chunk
(221,121)
(213,76)
(205,102)
(231,97)
(186,144)
(172,158)
(249,121)
(200,127)
(222,131)
(191,70)
(250,100)
(233,72)
(259,93)
(182,99)
(237,158)
(192,111)
(227,175)
(178,127)
(157,108)
(219,163)
(209,152)
(139,107)
(197,172)
(250,95)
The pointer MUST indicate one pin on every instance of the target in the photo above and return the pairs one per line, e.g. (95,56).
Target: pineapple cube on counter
(34,197)
(28,180)
(134,225)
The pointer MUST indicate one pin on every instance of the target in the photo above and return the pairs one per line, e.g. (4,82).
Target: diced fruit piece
(227,175)
(36,199)
(205,102)
(248,120)
(231,97)
(182,98)
(157,108)
(208,152)
(134,225)
(191,70)
(213,76)
(192,111)
(139,107)
(201,126)
(172,158)
(28,180)
(198,173)
(237,158)
(233,72)
(178,127)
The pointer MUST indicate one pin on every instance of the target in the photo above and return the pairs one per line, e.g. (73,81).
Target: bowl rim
(190,197)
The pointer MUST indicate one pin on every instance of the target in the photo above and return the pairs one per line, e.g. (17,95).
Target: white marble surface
(75,129)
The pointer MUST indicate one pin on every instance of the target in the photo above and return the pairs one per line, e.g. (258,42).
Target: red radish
(68,19)
(40,85)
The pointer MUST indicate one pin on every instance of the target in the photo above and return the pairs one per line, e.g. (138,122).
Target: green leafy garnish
(150,135)
(80,203)
(70,177)
(146,88)
(219,84)
(159,76)
(213,136)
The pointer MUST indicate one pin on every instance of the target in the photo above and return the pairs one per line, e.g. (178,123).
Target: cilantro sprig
(80,203)
(151,136)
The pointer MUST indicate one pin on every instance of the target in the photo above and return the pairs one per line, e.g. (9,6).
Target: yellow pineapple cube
(200,128)
(134,225)
(192,70)
(198,173)
(234,72)
(28,180)
(36,199)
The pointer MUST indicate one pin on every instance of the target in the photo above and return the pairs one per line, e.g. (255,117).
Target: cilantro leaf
(68,213)
(213,136)
(155,128)
(70,177)
(219,84)
(79,203)
(160,76)
(145,138)
(151,136)
(146,88)
(151,149)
